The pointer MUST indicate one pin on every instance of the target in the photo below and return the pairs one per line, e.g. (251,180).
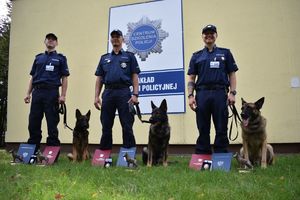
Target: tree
(4,55)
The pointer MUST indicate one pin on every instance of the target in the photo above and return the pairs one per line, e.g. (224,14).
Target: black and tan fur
(15,156)
(244,164)
(80,137)
(255,147)
(131,162)
(159,136)
(41,159)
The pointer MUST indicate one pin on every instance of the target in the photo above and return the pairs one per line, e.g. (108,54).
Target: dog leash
(235,117)
(138,113)
(63,110)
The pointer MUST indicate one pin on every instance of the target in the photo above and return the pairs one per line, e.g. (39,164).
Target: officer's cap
(51,35)
(209,27)
(116,32)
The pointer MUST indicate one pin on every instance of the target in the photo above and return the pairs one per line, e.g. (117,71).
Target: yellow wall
(262,35)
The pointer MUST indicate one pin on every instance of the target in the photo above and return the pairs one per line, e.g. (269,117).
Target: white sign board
(153,32)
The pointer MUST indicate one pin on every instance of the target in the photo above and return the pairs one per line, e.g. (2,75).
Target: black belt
(211,87)
(116,86)
(44,86)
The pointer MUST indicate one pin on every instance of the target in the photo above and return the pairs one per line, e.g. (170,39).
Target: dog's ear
(163,106)
(88,114)
(243,101)
(259,103)
(78,114)
(153,105)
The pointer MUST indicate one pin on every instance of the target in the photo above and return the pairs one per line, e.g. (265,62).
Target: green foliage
(4,56)
(65,180)
(4,49)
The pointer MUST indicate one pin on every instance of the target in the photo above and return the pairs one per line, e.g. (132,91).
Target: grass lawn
(65,180)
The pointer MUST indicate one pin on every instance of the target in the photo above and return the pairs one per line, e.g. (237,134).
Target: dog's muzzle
(245,119)
(244,115)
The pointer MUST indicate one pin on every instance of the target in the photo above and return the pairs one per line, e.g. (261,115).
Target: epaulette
(105,54)
(222,48)
(197,52)
(60,54)
(129,52)
(38,54)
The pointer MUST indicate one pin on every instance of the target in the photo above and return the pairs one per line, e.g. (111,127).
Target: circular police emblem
(145,37)
(123,65)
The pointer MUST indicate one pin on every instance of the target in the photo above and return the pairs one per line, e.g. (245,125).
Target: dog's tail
(145,155)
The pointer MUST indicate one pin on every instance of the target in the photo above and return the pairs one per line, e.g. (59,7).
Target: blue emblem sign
(145,37)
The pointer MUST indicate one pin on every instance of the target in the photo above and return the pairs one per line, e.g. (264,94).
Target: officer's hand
(231,99)
(134,100)
(192,103)
(97,103)
(62,99)
(27,99)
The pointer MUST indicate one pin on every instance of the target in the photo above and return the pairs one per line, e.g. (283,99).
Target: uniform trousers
(44,101)
(212,103)
(112,100)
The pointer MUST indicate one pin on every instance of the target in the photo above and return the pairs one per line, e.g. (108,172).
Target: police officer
(117,70)
(215,88)
(49,72)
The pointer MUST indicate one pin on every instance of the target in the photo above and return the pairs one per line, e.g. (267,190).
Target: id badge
(50,68)
(215,64)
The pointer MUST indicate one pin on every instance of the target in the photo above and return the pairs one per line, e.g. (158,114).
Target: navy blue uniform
(212,70)
(47,71)
(116,71)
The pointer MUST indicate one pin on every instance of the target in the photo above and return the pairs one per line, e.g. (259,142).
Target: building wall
(262,35)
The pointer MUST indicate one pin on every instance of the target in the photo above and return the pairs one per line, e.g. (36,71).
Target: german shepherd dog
(80,137)
(255,147)
(159,136)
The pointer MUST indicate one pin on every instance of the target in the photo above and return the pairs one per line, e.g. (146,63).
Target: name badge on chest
(50,68)
(214,64)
